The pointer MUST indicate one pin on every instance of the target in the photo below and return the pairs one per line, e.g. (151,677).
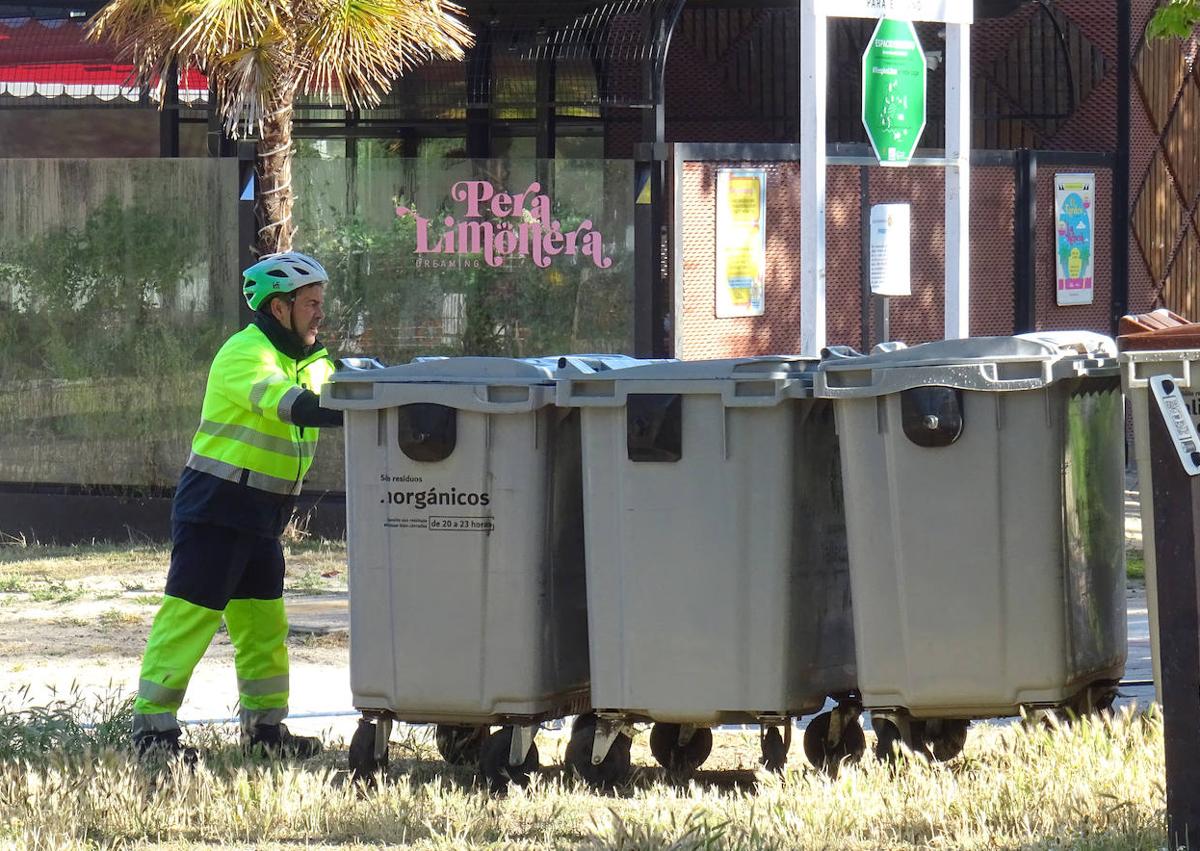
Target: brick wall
(914,319)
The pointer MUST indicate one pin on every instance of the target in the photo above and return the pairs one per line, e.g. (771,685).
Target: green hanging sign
(893,87)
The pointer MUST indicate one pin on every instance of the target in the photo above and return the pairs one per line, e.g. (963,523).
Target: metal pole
(643,253)
(814,72)
(647,213)
(219,143)
(247,217)
(168,116)
(864,204)
(478,68)
(958,180)
(1176,518)
(653,334)
(352,168)
(547,94)
(1120,211)
(1024,237)
(883,318)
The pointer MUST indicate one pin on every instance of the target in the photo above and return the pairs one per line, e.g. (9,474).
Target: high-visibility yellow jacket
(249,455)
(246,431)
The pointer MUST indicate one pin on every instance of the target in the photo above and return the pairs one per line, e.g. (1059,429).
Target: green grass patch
(1135,565)
(53,591)
(311,581)
(115,618)
(13,584)
(67,725)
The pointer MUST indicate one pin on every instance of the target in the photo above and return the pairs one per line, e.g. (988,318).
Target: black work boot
(276,741)
(164,744)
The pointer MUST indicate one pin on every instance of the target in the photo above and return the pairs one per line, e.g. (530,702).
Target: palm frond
(359,47)
(217,28)
(143,32)
(256,52)
(120,19)
(251,79)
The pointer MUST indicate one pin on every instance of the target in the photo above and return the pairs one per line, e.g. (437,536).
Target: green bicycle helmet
(280,274)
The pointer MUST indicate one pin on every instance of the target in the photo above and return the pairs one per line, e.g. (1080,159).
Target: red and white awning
(51,59)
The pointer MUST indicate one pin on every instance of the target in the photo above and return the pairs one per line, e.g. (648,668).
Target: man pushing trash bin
(258,431)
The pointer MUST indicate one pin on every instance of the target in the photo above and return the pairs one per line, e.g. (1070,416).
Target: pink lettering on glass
(498,225)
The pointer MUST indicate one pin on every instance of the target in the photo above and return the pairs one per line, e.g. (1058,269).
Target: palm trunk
(274,169)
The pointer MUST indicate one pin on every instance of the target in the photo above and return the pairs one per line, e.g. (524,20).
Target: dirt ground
(74,621)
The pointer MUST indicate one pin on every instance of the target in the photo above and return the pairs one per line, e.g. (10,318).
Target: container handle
(359,364)
(1138,372)
(464,397)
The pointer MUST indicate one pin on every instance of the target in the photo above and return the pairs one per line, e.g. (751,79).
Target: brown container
(1159,330)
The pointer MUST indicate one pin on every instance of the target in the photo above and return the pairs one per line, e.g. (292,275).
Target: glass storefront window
(517,257)
(118,282)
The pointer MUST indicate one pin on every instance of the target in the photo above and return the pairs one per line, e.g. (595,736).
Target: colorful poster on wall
(741,241)
(1074,217)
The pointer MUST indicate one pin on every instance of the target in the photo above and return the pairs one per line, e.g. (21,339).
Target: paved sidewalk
(320,614)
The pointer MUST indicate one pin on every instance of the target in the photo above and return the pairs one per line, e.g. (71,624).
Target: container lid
(1021,362)
(1047,345)
(474,370)
(768,368)
(1159,330)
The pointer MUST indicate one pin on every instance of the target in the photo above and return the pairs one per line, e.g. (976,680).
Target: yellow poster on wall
(741,241)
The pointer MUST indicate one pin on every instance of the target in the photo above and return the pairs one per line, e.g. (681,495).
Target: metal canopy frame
(594,50)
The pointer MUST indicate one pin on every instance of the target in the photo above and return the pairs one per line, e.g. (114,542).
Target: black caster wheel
(887,740)
(1096,701)
(615,768)
(774,751)
(460,745)
(493,762)
(363,764)
(941,739)
(681,761)
(1102,704)
(826,756)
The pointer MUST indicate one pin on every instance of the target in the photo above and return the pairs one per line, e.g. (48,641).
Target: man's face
(304,314)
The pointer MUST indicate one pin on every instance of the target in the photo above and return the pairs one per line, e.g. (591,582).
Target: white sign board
(891,236)
(946,11)
(1179,421)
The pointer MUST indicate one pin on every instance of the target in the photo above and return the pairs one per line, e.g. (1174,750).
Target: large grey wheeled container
(716,568)
(465,544)
(984,506)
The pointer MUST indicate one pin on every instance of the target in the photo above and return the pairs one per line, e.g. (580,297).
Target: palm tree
(260,54)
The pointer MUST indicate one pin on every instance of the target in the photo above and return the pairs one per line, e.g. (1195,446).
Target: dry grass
(61,564)
(66,783)
(1095,786)
(313,566)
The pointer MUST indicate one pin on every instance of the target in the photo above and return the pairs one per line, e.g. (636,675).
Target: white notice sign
(890,240)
